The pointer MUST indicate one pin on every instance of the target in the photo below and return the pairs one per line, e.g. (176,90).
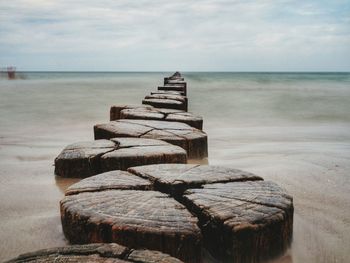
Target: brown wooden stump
(138,151)
(175,76)
(167,96)
(170,92)
(192,140)
(179,88)
(163,114)
(118,180)
(151,256)
(178,78)
(168,101)
(82,159)
(176,82)
(176,178)
(166,79)
(108,253)
(241,217)
(138,219)
(243,221)
(89,158)
(116,109)
(186,117)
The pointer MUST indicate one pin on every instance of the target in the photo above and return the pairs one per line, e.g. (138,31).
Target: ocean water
(292,128)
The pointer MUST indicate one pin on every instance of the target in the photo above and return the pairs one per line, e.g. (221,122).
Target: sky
(186,35)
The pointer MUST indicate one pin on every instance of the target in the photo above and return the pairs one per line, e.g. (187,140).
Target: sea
(292,128)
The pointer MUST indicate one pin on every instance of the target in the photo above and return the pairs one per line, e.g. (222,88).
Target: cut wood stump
(166,79)
(163,114)
(168,101)
(175,76)
(82,159)
(117,180)
(116,109)
(89,158)
(176,178)
(106,253)
(186,117)
(168,96)
(243,221)
(133,218)
(241,217)
(176,82)
(166,92)
(194,141)
(141,152)
(173,87)
(151,256)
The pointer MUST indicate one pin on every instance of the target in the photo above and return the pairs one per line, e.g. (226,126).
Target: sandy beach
(292,129)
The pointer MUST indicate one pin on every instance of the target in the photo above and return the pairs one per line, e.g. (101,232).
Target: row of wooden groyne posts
(141,202)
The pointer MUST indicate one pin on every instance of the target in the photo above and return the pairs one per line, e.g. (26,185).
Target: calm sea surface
(292,128)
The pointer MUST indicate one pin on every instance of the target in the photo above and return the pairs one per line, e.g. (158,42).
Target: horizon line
(167,71)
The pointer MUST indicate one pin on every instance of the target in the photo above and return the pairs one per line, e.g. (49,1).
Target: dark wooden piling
(175,76)
(116,109)
(241,217)
(117,180)
(176,178)
(167,101)
(164,115)
(138,219)
(178,88)
(167,92)
(243,221)
(82,159)
(89,158)
(194,141)
(100,253)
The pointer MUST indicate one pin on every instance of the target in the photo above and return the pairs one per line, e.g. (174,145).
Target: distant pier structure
(8,72)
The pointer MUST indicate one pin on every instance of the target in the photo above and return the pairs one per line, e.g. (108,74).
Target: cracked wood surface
(163,114)
(173,87)
(176,82)
(175,76)
(107,253)
(114,113)
(241,217)
(89,158)
(194,141)
(165,103)
(168,96)
(117,180)
(82,159)
(151,256)
(166,92)
(138,219)
(243,221)
(168,101)
(176,178)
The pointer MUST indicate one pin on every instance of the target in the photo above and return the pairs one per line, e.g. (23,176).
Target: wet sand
(313,166)
(310,159)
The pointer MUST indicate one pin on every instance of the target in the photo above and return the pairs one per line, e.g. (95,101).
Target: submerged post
(8,72)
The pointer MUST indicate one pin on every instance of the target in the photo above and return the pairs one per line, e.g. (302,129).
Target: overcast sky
(187,35)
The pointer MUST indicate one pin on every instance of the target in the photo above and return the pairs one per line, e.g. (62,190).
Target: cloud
(161,35)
